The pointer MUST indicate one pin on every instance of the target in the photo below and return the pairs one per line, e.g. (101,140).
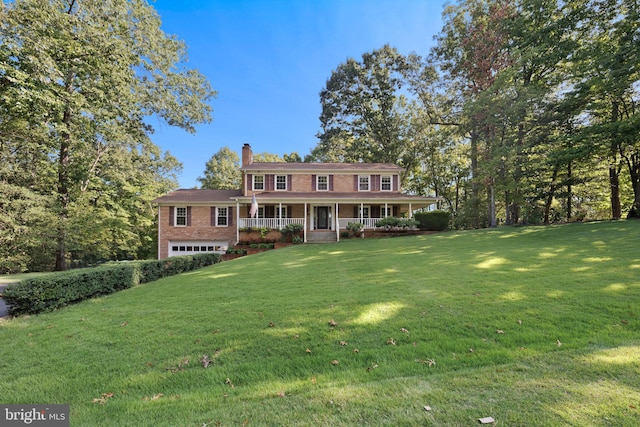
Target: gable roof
(322,167)
(198,196)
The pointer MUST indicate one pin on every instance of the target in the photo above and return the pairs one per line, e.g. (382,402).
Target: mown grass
(531,326)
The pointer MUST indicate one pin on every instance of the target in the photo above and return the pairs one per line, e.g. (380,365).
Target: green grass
(531,326)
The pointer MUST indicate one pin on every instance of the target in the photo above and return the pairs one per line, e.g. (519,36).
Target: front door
(322,217)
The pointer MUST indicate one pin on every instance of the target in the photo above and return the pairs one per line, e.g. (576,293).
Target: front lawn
(531,326)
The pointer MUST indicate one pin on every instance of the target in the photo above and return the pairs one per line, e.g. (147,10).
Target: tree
(83,75)
(222,171)
(365,113)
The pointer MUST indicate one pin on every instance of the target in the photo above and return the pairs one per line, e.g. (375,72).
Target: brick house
(323,197)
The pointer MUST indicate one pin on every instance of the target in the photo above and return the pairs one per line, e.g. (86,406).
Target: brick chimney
(247,155)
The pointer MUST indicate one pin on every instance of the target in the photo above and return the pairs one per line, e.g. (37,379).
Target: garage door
(177,248)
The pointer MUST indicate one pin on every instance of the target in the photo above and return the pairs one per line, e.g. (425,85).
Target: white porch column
(337,224)
(361,212)
(280,215)
(410,211)
(305,222)
(386,210)
(237,221)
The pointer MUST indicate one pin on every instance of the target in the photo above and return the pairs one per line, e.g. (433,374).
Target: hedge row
(433,221)
(47,293)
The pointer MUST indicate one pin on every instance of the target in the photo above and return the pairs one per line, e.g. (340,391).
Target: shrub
(392,222)
(55,290)
(291,231)
(433,221)
(355,228)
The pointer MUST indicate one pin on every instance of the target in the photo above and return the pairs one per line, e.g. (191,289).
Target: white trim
(275,182)
(318,182)
(253,183)
(218,216)
(175,216)
(368,177)
(390,182)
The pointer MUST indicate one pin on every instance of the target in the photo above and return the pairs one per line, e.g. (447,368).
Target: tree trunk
(63,197)
(614,184)
(492,205)
(552,190)
(569,191)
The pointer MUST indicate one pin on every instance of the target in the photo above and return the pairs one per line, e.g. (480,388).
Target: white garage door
(180,247)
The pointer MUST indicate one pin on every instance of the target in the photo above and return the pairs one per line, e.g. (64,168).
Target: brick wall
(200,229)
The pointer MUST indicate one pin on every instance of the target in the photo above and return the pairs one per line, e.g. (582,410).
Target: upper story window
(258,182)
(181,216)
(222,218)
(363,183)
(281,182)
(322,183)
(385,183)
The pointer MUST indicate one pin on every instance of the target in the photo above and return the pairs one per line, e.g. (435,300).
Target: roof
(207,197)
(322,167)
(198,196)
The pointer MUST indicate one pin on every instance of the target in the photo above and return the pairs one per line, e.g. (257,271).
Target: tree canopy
(78,78)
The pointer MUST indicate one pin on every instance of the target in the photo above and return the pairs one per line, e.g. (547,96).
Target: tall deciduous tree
(365,113)
(222,171)
(83,75)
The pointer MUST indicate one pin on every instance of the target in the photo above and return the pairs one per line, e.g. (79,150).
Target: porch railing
(272,223)
(369,223)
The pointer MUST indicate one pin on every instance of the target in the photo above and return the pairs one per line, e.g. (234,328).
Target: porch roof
(334,197)
(208,197)
(198,196)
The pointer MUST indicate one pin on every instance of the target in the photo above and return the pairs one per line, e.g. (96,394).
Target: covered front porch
(323,219)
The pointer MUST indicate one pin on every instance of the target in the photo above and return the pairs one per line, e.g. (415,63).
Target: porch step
(321,236)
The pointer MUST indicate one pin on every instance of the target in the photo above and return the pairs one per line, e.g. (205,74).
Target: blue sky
(269,60)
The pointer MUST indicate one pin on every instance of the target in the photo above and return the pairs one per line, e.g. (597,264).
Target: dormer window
(258,182)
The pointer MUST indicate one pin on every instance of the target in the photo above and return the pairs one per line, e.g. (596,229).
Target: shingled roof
(198,196)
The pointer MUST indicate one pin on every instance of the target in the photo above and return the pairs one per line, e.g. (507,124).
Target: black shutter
(289,182)
(313,183)
(188,216)
(289,209)
(330,182)
(396,187)
(230,215)
(356,187)
(172,210)
(213,217)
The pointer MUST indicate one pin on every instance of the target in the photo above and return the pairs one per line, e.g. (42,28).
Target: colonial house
(323,197)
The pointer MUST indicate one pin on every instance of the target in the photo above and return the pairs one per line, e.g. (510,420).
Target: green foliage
(292,231)
(222,171)
(433,221)
(55,290)
(356,228)
(79,79)
(394,222)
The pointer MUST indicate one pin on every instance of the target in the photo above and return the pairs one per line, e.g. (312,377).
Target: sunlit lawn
(531,326)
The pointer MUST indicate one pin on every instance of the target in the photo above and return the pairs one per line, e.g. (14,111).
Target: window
(322,183)
(365,211)
(222,217)
(258,182)
(281,214)
(384,214)
(181,216)
(363,181)
(281,182)
(385,183)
